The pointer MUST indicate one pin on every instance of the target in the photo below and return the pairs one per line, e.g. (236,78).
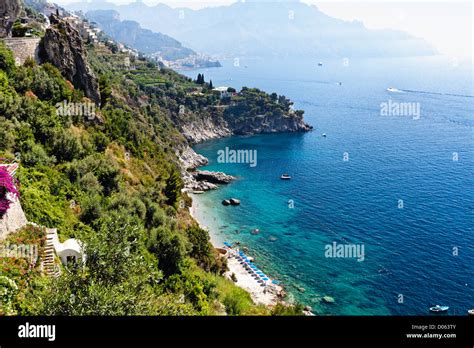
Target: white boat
(285,177)
(320,64)
(324,135)
(439,309)
(393,90)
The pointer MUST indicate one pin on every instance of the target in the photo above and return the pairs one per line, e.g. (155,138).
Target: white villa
(223,91)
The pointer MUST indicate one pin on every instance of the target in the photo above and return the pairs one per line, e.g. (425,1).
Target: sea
(377,218)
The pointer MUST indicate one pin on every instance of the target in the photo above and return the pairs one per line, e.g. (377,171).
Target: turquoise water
(424,251)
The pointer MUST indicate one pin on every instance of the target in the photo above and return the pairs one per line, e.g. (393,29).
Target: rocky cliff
(263,124)
(207,128)
(9,11)
(64,48)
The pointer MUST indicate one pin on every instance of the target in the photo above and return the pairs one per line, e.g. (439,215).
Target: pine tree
(172,191)
(210,85)
(200,79)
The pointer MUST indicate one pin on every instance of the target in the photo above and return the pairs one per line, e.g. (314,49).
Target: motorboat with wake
(439,309)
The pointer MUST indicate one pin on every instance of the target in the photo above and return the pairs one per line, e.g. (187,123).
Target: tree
(172,191)
(169,248)
(201,248)
(7,61)
(211,86)
(200,79)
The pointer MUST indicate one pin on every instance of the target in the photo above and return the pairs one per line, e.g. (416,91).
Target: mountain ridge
(269,29)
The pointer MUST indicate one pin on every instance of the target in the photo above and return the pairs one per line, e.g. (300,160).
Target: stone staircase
(49,263)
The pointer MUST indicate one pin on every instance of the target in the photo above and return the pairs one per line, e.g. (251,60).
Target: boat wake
(436,93)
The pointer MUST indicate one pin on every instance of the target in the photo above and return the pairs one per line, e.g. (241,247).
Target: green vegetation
(112,182)
(252,103)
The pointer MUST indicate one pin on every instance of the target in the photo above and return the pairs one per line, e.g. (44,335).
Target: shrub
(7,186)
(169,248)
(7,61)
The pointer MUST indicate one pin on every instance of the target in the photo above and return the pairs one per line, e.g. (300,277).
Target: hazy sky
(448,25)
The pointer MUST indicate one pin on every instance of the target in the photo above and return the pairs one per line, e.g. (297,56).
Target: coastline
(266,295)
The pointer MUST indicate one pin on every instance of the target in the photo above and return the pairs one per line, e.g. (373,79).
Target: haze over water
(423,251)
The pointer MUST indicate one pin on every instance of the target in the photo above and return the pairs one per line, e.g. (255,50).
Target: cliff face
(263,125)
(9,11)
(205,128)
(218,127)
(64,48)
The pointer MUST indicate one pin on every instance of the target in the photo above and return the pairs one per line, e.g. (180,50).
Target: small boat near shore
(285,177)
(439,309)
(470,312)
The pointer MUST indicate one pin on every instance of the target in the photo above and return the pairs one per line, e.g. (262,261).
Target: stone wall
(13,220)
(23,47)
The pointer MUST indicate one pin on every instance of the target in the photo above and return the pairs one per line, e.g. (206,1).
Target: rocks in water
(255,231)
(231,201)
(234,201)
(300,289)
(328,299)
(213,177)
(63,47)
(272,239)
(205,180)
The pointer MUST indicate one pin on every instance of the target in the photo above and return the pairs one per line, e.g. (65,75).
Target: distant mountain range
(132,34)
(261,28)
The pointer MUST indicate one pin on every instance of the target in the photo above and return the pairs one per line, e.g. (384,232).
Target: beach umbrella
(265,279)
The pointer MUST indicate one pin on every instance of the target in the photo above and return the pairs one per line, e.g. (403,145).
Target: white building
(71,251)
(223,92)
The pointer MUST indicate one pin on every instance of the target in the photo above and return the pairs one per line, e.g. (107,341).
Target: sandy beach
(268,295)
